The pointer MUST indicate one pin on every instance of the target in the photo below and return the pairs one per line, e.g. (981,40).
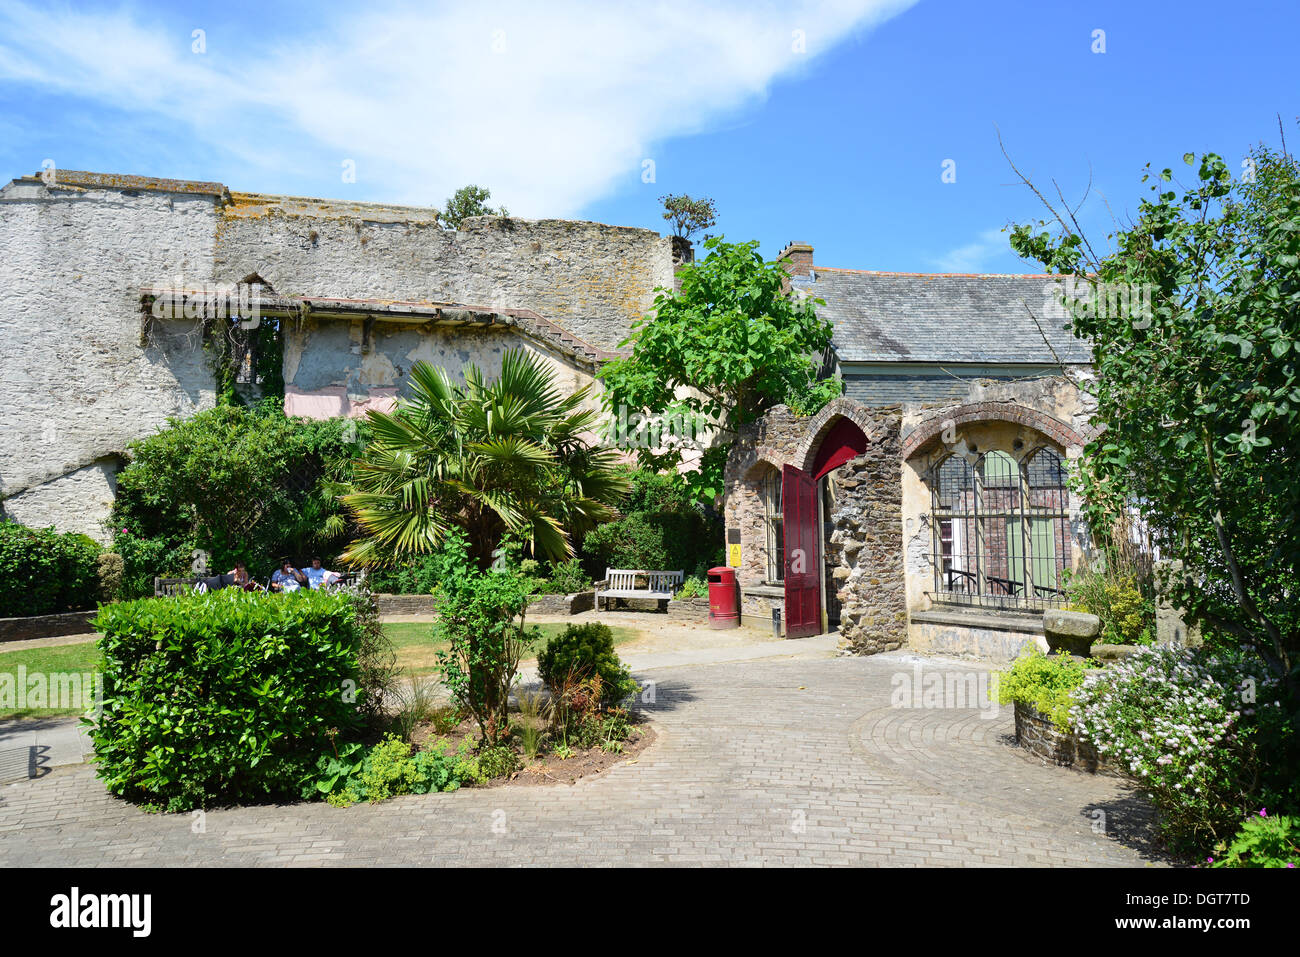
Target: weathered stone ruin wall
(83,380)
(594,280)
(866,547)
(79,384)
(864,552)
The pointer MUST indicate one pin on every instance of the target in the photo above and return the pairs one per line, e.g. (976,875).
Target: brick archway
(929,430)
(825,420)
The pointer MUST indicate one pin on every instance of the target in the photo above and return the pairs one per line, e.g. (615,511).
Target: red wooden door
(803,611)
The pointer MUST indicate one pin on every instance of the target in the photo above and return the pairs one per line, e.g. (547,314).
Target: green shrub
(109,570)
(650,491)
(1199,731)
(387,770)
(694,587)
(45,572)
(423,574)
(667,541)
(1127,617)
(234,484)
(1263,841)
(497,761)
(564,578)
(1045,682)
(481,617)
(584,651)
(662,528)
(605,729)
(226,696)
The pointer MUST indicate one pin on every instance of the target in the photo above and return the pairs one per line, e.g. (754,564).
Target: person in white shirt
(320,577)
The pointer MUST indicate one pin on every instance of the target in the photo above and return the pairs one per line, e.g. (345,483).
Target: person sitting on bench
(320,577)
(287,578)
(239,577)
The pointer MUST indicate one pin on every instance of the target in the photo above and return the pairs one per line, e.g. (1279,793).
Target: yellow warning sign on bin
(733,556)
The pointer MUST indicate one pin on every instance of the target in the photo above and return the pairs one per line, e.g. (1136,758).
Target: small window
(774,525)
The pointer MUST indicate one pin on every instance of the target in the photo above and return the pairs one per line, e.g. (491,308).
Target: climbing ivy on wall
(227,344)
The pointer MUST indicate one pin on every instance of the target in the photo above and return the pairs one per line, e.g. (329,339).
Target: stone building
(106,279)
(929,506)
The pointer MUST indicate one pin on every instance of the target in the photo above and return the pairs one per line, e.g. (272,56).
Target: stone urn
(1070,631)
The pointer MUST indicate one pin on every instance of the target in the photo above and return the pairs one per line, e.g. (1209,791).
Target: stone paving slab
(771,762)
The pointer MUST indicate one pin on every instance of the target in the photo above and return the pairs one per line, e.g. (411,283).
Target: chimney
(796,259)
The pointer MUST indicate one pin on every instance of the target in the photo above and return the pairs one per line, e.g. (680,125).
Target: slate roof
(943,317)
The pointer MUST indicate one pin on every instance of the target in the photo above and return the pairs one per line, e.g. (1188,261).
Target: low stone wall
(407,604)
(1036,733)
(46,626)
(689,609)
(562,604)
(966,634)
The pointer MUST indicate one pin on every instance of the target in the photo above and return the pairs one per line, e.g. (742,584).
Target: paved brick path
(757,762)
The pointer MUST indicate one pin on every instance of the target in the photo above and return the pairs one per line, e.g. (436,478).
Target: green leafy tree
(1198,397)
(231,483)
(466,202)
(689,216)
(730,345)
(489,457)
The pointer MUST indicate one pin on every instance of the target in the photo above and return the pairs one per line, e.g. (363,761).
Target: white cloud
(973,257)
(550,103)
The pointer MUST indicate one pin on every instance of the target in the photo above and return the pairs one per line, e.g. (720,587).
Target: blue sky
(823,122)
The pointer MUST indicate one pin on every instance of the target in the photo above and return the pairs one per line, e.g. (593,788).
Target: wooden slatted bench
(164,587)
(622,583)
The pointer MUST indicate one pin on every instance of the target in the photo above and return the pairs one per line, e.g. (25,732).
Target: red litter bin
(724,598)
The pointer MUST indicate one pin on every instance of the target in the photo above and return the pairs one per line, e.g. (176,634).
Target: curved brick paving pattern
(759,762)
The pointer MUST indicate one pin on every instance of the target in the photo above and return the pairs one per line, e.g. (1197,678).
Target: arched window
(1000,528)
(1047,511)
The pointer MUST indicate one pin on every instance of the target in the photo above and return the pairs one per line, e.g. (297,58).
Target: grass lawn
(79,659)
(417,651)
(413,641)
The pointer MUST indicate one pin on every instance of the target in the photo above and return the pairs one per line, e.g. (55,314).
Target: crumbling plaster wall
(331,353)
(79,385)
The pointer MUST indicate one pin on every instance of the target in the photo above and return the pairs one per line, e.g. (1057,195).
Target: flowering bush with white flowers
(1186,724)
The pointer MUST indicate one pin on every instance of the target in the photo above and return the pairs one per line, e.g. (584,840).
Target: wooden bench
(165,587)
(622,583)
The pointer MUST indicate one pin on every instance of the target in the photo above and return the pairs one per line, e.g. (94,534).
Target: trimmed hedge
(225,697)
(46,572)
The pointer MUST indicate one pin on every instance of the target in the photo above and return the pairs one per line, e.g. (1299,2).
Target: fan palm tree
(508,455)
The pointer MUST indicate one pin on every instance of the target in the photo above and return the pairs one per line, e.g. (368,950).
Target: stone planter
(1070,631)
(1036,733)
(689,609)
(562,604)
